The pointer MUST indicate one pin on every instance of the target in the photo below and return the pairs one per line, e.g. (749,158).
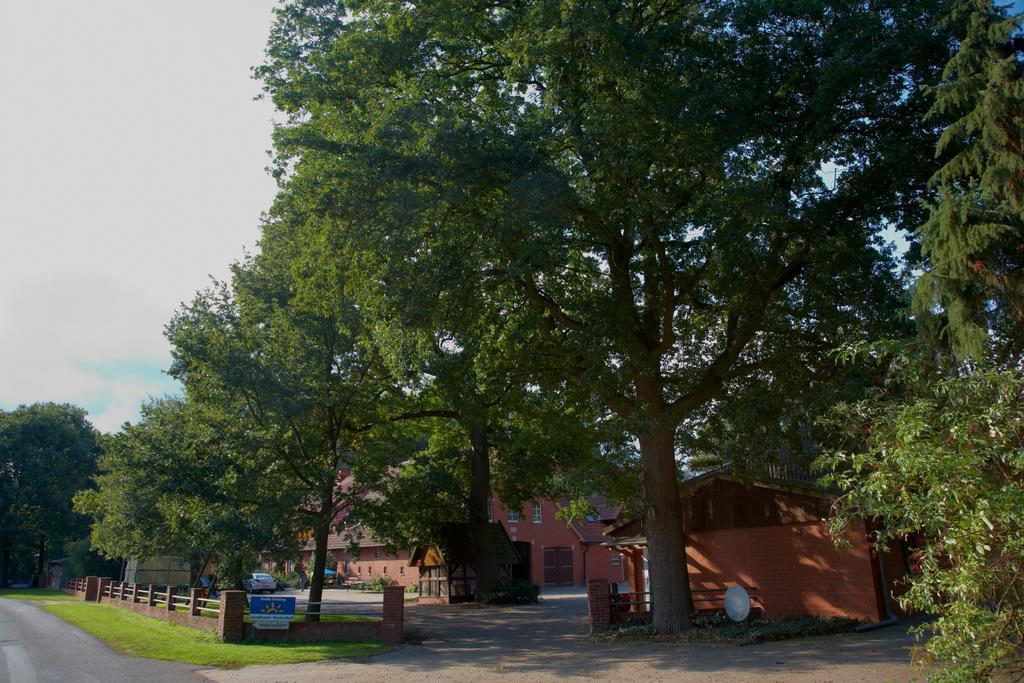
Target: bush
(511,592)
(379,583)
(412,588)
(718,628)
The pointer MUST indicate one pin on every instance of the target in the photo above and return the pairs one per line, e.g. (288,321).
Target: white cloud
(132,166)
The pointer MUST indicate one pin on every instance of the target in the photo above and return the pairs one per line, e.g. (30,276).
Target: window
(376,553)
(490,511)
(369,570)
(359,569)
(538,516)
(401,570)
(385,569)
(513,515)
(616,559)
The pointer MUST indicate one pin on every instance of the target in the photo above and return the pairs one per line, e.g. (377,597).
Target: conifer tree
(973,236)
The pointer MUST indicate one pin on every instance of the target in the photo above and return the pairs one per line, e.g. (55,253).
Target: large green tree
(48,451)
(649,177)
(188,480)
(973,239)
(289,350)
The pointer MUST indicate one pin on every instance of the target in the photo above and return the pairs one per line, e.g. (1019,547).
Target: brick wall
(371,563)
(551,532)
(795,568)
(388,629)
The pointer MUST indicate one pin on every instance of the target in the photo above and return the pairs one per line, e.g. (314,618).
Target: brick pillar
(170,598)
(193,601)
(104,583)
(231,620)
(152,595)
(393,621)
(599,604)
(92,588)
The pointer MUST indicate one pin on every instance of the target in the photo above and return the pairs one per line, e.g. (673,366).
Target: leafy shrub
(379,583)
(511,592)
(412,588)
(718,628)
(287,580)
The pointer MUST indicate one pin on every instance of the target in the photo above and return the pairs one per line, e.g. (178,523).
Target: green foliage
(720,629)
(511,592)
(975,229)
(84,560)
(633,192)
(942,462)
(188,480)
(379,583)
(47,452)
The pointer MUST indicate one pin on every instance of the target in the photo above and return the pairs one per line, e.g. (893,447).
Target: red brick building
(555,553)
(370,561)
(770,536)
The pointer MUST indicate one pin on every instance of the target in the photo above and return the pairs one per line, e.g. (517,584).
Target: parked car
(259,582)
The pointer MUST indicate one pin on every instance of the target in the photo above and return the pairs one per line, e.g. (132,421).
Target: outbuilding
(446,571)
(770,535)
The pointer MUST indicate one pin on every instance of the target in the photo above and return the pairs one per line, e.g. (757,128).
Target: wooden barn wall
(724,504)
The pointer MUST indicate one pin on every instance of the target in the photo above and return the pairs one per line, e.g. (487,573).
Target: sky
(132,168)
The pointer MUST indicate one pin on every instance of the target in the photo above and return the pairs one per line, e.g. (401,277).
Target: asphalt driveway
(549,641)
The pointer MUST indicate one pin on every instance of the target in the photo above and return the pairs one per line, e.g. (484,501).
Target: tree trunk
(671,601)
(41,563)
(316,578)
(5,564)
(236,579)
(485,556)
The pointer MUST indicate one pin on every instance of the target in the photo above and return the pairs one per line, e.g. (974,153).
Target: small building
(357,556)
(770,536)
(446,573)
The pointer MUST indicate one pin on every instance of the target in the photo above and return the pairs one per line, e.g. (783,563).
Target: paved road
(37,647)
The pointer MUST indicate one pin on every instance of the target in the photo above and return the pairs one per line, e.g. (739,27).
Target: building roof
(455,545)
(629,531)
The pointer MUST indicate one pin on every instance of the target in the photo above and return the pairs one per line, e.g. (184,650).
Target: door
(558,567)
(523,569)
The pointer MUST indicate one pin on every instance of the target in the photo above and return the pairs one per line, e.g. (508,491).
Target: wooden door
(558,567)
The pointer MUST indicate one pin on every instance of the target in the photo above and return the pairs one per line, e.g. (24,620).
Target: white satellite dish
(737,603)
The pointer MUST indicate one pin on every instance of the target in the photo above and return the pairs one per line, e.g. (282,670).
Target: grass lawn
(139,636)
(36,594)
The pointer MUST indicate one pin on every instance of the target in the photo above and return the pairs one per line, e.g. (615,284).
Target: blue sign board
(271,613)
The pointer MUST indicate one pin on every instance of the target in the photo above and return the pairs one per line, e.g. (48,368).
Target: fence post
(193,601)
(135,593)
(599,604)
(104,587)
(231,620)
(393,621)
(92,588)
(170,598)
(152,595)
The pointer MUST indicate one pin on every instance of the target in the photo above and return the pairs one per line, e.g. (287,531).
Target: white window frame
(538,514)
(513,516)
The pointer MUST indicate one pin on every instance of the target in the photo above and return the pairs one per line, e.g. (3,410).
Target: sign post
(271,613)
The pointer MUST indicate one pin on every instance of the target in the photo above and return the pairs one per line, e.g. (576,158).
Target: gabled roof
(629,531)
(455,545)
